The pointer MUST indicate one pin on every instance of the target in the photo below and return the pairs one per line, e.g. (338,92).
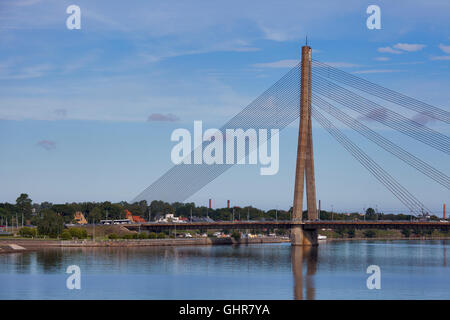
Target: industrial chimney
(445,217)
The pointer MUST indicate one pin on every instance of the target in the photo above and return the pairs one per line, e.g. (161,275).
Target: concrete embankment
(34,244)
(11,247)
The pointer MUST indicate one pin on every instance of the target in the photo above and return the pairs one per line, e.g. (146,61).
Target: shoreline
(385,239)
(36,244)
(27,245)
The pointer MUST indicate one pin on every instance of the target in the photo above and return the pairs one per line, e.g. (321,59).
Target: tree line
(31,213)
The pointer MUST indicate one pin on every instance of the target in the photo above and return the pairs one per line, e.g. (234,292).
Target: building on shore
(79,218)
(134,219)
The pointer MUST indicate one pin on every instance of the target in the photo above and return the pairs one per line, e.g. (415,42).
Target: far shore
(36,244)
(6,245)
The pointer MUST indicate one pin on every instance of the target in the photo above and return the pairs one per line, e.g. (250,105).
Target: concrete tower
(305,158)
(305,155)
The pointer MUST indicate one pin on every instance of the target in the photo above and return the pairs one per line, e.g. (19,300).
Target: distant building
(79,218)
(135,219)
(170,217)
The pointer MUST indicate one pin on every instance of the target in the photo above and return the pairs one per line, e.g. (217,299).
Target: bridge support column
(305,157)
(302,237)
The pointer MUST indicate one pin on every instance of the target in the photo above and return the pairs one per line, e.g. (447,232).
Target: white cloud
(382,58)
(409,47)
(389,50)
(444,48)
(130,98)
(275,35)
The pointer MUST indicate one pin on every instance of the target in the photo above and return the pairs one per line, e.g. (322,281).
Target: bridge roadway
(307,225)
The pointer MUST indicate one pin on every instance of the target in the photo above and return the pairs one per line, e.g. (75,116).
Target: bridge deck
(290,224)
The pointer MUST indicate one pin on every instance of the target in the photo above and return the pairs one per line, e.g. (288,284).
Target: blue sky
(82,111)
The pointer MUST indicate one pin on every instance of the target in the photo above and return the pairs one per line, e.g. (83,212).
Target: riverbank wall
(42,243)
(10,245)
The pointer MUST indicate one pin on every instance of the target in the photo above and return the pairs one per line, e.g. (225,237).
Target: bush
(161,235)
(351,233)
(406,233)
(113,236)
(78,233)
(340,233)
(152,235)
(236,235)
(127,236)
(142,235)
(28,232)
(370,233)
(65,235)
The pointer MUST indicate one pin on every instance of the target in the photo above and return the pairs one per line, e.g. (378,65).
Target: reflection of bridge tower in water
(301,284)
(305,159)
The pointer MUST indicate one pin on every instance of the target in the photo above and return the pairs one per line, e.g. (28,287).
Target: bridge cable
(387,180)
(384,143)
(380,91)
(277,107)
(374,111)
(215,170)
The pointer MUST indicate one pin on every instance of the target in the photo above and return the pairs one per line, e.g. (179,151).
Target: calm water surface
(334,270)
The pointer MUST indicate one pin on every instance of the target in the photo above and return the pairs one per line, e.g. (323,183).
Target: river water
(334,270)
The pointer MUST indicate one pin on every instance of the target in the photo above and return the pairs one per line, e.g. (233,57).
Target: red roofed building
(135,219)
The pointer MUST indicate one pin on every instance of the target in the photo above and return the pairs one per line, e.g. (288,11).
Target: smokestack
(210,203)
(318,215)
(445,217)
(228,204)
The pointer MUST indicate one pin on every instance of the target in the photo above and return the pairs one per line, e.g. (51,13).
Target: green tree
(28,232)
(351,233)
(370,233)
(78,233)
(406,233)
(142,235)
(65,235)
(51,224)
(23,205)
(66,211)
(236,235)
(161,235)
(340,232)
(96,215)
(371,214)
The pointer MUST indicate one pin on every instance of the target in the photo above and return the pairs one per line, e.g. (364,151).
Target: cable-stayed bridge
(315,90)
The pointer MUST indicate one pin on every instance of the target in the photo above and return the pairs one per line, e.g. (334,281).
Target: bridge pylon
(305,156)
